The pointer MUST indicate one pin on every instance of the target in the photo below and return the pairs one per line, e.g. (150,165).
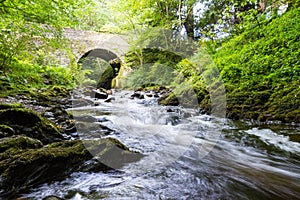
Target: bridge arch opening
(100,66)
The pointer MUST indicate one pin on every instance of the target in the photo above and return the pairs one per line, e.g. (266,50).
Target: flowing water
(187,156)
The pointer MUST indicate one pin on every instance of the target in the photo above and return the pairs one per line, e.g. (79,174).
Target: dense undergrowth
(260,69)
(27,78)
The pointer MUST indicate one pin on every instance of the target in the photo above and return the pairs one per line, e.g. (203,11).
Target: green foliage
(255,64)
(55,13)
(152,66)
(29,31)
(27,77)
(166,14)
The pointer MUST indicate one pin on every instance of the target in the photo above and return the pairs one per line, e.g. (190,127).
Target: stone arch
(106,78)
(104,54)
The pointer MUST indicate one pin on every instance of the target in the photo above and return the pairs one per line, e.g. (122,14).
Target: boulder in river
(98,94)
(24,162)
(138,95)
(168,99)
(27,122)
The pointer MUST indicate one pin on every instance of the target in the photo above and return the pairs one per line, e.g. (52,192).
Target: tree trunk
(189,22)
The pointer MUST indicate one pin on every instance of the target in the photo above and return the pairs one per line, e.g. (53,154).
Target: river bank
(39,142)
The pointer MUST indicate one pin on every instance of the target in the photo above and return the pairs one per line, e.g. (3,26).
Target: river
(188,155)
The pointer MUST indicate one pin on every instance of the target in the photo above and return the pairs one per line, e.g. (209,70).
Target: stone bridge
(109,47)
(89,43)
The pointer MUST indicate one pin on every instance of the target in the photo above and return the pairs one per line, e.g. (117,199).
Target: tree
(168,14)
(26,27)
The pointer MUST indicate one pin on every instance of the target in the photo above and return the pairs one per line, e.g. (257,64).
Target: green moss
(17,144)
(169,100)
(30,123)
(105,81)
(6,131)
(39,165)
(9,106)
(295,137)
(150,67)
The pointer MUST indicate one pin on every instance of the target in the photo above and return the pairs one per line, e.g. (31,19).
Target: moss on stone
(105,81)
(38,165)
(295,137)
(4,106)
(30,123)
(111,152)
(169,100)
(6,131)
(17,144)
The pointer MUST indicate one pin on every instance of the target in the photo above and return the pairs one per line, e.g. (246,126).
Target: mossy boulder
(183,97)
(169,99)
(111,153)
(17,144)
(27,122)
(34,166)
(105,81)
(6,131)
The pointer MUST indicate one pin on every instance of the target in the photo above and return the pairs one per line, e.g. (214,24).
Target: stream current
(187,155)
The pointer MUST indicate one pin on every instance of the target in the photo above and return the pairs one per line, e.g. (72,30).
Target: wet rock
(170,110)
(85,118)
(156,95)
(110,100)
(101,119)
(87,90)
(295,137)
(109,92)
(68,127)
(81,102)
(23,169)
(62,119)
(6,131)
(111,153)
(48,115)
(98,94)
(92,130)
(31,124)
(168,99)
(137,95)
(105,81)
